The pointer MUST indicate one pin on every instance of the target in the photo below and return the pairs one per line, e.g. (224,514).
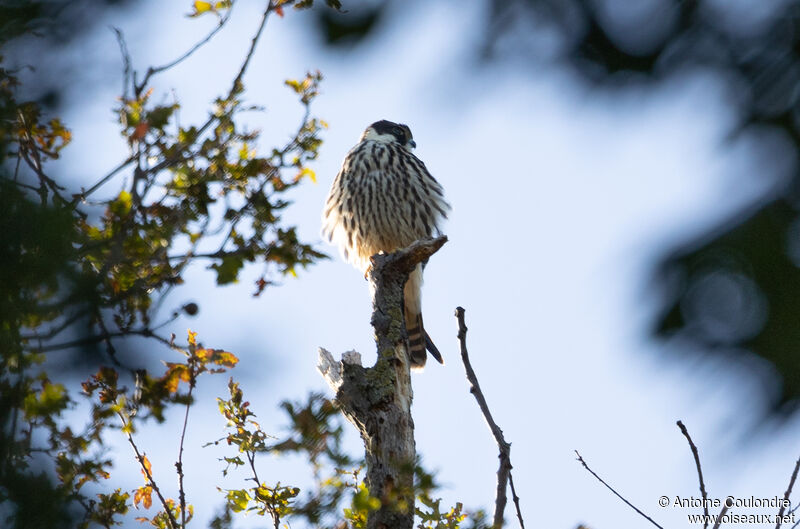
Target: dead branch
(504,472)
(788,493)
(696,455)
(377,399)
(725,508)
(617,494)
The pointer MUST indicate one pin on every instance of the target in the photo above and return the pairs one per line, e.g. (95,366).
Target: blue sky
(563,199)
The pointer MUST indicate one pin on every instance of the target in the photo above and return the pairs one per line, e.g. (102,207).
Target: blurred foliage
(731,291)
(350,27)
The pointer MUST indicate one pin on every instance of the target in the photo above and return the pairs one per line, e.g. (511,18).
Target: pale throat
(371,135)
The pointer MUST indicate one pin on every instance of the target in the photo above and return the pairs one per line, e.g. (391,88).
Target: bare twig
(504,472)
(617,494)
(696,455)
(515,498)
(725,508)
(146,332)
(151,71)
(237,81)
(126,61)
(78,197)
(788,492)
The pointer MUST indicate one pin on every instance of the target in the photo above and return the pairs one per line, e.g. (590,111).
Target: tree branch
(685,433)
(788,492)
(126,61)
(89,340)
(151,71)
(377,399)
(179,462)
(253,43)
(146,471)
(721,514)
(617,494)
(504,472)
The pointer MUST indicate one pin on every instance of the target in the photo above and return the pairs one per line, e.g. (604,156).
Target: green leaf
(238,499)
(228,269)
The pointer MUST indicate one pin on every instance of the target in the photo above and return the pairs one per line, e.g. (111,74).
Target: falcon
(384,199)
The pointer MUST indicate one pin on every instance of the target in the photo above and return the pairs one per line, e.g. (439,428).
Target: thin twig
(126,61)
(54,331)
(29,152)
(721,514)
(788,492)
(151,481)
(112,351)
(151,71)
(146,332)
(504,472)
(237,81)
(179,463)
(251,458)
(78,197)
(685,433)
(179,150)
(617,494)
(515,498)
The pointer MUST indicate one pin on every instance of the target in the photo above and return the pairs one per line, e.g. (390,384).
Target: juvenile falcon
(384,199)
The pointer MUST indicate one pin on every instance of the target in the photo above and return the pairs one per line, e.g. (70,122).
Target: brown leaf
(140,130)
(144,495)
(147,470)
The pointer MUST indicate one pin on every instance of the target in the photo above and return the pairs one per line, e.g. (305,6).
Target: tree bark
(377,399)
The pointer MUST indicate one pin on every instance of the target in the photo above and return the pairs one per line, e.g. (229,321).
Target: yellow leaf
(143,495)
(147,498)
(202,7)
(224,358)
(174,375)
(125,199)
(305,171)
(192,337)
(147,469)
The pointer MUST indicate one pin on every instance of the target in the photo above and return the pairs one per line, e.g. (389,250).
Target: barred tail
(418,339)
(416,343)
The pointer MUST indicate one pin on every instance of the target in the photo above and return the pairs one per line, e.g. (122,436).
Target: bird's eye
(398,131)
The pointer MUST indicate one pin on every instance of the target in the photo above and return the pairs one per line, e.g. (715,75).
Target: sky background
(564,197)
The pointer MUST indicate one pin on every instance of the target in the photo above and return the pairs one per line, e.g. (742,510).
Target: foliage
(95,269)
(728,292)
(82,270)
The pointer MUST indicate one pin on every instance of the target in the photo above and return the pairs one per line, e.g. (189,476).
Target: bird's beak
(412,144)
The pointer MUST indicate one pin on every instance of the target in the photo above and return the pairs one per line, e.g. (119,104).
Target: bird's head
(389,132)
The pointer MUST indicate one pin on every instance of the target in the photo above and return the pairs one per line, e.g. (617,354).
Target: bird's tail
(418,339)
(418,342)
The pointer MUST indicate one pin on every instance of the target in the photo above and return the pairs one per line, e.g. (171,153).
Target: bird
(384,199)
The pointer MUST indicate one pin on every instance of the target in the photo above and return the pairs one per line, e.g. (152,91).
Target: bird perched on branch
(383,199)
